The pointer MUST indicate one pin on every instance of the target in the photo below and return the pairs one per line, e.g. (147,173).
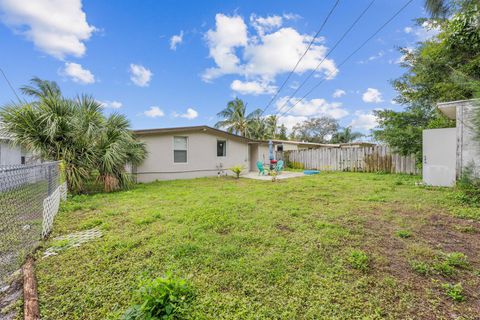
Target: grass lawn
(330,246)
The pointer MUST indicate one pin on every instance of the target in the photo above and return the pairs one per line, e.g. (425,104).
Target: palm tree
(436,8)
(75,131)
(235,118)
(346,136)
(272,126)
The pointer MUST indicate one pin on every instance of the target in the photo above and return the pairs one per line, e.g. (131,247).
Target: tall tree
(315,130)
(282,133)
(346,136)
(236,120)
(431,77)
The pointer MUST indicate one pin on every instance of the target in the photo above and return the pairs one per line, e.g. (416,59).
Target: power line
(349,56)
(9,84)
(303,55)
(327,55)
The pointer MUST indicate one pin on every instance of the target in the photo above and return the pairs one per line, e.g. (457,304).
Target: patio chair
(261,169)
(279,167)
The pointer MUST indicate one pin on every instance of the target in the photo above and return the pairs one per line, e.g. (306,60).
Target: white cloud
(426,31)
(229,33)
(175,40)
(77,73)
(372,95)
(364,121)
(190,114)
(140,75)
(311,108)
(278,52)
(107,104)
(271,51)
(290,121)
(339,93)
(265,24)
(57,27)
(154,112)
(251,87)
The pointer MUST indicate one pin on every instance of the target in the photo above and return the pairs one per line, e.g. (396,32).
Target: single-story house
(448,152)
(9,153)
(200,151)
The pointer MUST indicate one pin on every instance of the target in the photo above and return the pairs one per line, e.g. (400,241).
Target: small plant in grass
(420,267)
(359,260)
(457,259)
(404,234)
(454,291)
(237,170)
(165,298)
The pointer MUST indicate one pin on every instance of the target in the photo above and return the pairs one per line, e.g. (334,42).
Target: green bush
(165,298)
(359,260)
(469,187)
(296,165)
(454,291)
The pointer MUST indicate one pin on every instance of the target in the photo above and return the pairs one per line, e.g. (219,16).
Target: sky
(177,63)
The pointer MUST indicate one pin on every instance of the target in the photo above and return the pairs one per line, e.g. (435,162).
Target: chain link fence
(30,196)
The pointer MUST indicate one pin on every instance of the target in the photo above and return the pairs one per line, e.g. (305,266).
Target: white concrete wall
(9,154)
(202,157)
(439,157)
(468,149)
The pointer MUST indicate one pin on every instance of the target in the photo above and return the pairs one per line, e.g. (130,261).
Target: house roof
(157,131)
(450,108)
(303,143)
(203,128)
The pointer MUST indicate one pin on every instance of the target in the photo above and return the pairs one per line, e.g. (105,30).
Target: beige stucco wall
(202,157)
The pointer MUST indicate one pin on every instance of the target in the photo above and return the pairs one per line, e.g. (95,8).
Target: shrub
(237,170)
(161,298)
(469,187)
(359,260)
(296,165)
(454,291)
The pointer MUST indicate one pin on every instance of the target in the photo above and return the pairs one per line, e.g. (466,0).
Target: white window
(221,148)
(180,145)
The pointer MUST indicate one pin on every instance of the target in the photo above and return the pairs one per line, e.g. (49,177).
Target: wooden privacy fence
(364,159)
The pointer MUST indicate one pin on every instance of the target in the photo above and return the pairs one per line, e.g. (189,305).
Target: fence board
(364,159)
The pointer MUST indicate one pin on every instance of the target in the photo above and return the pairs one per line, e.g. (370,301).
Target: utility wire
(327,55)
(351,55)
(303,55)
(9,84)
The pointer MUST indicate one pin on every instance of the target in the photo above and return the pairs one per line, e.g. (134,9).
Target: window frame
(225,148)
(186,149)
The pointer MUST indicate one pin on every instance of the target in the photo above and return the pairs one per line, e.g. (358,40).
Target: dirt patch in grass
(440,232)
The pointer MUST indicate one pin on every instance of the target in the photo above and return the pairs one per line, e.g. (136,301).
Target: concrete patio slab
(283,175)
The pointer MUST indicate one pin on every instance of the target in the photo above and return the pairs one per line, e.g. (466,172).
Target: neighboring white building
(10,154)
(448,152)
(200,151)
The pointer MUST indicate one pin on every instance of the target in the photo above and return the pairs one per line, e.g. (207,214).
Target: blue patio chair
(261,169)
(279,166)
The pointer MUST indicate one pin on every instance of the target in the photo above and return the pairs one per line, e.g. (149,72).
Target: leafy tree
(272,126)
(315,130)
(345,136)
(75,131)
(403,130)
(430,78)
(282,133)
(236,120)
